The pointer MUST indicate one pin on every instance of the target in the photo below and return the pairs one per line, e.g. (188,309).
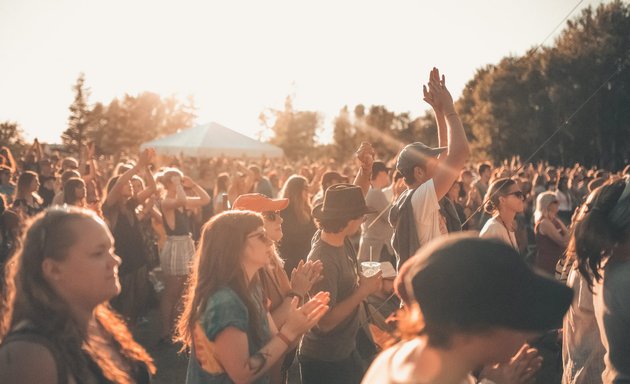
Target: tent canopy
(211,140)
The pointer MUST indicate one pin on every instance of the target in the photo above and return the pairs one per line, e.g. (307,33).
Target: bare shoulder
(25,362)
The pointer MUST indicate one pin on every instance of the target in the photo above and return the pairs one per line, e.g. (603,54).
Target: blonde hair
(543,201)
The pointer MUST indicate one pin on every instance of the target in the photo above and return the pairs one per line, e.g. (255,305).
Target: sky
(237,58)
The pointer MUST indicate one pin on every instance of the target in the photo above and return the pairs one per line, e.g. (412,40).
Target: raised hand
(365,154)
(187,182)
(434,78)
(146,157)
(438,93)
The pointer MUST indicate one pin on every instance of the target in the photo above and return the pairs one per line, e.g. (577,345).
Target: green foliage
(294,131)
(11,137)
(78,121)
(514,106)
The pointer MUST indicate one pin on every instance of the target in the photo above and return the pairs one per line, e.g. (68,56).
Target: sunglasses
(518,194)
(271,215)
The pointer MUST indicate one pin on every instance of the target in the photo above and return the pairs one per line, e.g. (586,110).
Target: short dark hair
(335,225)
(483,167)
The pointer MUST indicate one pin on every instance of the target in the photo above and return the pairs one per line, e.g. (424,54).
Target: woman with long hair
(504,201)
(55,323)
(297,223)
(179,247)
(600,245)
(221,188)
(551,234)
(27,201)
(225,323)
(119,210)
(278,289)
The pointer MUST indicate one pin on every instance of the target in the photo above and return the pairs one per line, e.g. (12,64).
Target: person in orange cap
(277,288)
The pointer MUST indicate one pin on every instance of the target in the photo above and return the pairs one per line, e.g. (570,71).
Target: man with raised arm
(428,173)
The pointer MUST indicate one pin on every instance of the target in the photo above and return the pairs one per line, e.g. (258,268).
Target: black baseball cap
(467,282)
(415,154)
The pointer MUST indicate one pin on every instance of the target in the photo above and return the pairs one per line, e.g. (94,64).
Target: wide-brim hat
(467,282)
(342,201)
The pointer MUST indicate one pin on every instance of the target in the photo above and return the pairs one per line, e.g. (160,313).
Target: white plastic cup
(370,268)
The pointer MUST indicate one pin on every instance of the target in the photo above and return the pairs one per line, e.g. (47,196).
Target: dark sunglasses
(271,215)
(518,194)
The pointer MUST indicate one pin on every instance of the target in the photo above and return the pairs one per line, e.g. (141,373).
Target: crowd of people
(260,266)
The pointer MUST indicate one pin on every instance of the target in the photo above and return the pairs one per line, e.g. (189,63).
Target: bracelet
(293,293)
(284,339)
(452,114)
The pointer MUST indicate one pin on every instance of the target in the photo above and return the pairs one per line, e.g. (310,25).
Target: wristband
(452,114)
(284,339)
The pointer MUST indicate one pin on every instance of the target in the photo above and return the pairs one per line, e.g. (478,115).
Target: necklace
(508,233)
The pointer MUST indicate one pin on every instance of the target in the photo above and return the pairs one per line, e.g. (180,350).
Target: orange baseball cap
(258,202)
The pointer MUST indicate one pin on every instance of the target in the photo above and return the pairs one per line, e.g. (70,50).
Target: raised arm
(116,193)
(151,186)
(458,151)
(202,198)
(365,155)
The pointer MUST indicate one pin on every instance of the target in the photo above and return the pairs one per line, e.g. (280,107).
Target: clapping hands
(436,94)
(305,275)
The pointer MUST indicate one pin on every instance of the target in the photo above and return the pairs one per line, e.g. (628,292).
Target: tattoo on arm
(257,361)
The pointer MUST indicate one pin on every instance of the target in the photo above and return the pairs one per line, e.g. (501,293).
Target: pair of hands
(520,369)
(146,157)
(365,154)
(305,275)
(436,94)
(301,320)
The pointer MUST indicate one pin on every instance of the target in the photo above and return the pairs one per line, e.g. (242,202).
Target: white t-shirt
(426,212)
(494,229)
(393,366)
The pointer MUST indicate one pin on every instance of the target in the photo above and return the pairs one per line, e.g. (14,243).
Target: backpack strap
(32,335)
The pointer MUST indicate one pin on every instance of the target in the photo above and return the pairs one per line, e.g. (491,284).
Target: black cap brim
(544,305)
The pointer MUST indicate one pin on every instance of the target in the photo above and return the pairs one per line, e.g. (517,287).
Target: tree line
(508,108)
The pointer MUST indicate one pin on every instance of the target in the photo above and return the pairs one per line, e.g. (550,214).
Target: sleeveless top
(549,252)
(31,334)
(182,226)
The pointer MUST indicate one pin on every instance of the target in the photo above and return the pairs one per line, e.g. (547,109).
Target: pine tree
(78,121)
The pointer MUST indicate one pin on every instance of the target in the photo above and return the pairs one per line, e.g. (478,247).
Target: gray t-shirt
(340,278)
(376,230)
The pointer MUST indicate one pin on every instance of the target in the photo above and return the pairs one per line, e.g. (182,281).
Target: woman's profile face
(513,199)
(80,192)
(88,276)
(553,208)
(34,185)
(257,248)
(273,227)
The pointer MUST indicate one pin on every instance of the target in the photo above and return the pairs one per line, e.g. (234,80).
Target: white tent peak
(210,140)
